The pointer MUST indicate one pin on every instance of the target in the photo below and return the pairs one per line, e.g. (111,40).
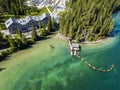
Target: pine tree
(11,42)
(94,18)
(49,25)
(53,24)
(34,34)
(40,25)
(22,39)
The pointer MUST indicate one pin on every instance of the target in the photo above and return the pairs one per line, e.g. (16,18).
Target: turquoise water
(44,68)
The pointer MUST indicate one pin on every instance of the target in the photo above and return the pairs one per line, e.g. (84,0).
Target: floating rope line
(95,68)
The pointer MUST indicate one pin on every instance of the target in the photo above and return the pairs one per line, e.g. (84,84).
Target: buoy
(98,69)
(104,70)
(113,65)
(108,70)
(89,65)
(93,67)
(86,62)
(111,68)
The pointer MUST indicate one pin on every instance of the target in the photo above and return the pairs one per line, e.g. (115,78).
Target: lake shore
(39,56)
(25,64)
(102,41)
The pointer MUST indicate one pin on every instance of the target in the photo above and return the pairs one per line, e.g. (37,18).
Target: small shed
(75,46)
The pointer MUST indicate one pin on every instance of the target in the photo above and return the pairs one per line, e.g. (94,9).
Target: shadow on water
(1,69)
(115,33)
(45,38)
(28,47)
(4,58)
(52,46)
(31,46)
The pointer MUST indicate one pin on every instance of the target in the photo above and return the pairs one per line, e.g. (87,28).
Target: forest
(15,7)
(88,19)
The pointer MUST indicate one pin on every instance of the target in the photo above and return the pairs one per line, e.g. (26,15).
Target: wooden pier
(74,48)
(75,51)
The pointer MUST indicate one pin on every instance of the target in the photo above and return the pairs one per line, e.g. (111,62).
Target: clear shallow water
(43,68)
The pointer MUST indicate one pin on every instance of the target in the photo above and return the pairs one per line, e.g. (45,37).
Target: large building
(41,2)
(35,2)
(26,23)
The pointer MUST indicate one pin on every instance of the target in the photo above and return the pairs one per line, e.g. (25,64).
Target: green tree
(11,42)
(40,25)
(22,38)
(49,25)
(94,18)
(34,34)
(53,24)
(43,32)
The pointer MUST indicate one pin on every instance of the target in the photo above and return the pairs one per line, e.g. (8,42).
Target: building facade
(25,24)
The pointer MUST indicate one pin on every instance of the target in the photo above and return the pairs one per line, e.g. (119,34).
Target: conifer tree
(89,18)
(34,34)
(22,39)
(11,42)
(49,25)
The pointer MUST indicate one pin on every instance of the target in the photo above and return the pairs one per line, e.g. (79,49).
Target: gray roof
(37,2)
(75,45)
(36,18)
(9,22)
(43,16)
(25,20)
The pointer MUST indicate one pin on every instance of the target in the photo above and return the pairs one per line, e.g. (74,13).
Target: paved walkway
(48,10)
(58,8)
(3,50)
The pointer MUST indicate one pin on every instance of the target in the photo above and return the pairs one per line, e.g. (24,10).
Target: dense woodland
(88,19)
(11,6)
(15,7)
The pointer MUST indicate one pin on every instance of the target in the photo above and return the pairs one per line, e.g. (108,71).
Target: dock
(74,48)
(75,51)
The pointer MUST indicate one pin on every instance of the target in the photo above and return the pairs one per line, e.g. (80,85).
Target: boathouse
(74,48)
